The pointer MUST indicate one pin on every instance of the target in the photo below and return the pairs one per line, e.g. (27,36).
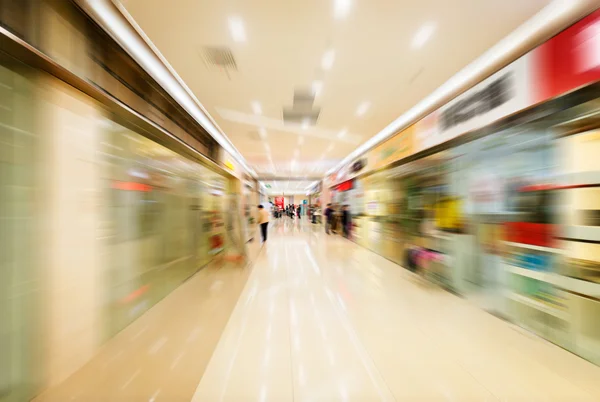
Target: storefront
(506,213)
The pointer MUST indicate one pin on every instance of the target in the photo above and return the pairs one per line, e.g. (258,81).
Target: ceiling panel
(281,59)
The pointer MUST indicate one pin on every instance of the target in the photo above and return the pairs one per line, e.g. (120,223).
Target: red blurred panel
(279,201)
(131,186)
(135,294)
(537,234)
(345,186)
(569,60)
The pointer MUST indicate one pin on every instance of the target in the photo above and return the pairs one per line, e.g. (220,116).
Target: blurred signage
(500,95)
(345,186)
(569,60)
(229,165)
(358,165)
(279,201)
(398,147)
(490,97)
(566,62)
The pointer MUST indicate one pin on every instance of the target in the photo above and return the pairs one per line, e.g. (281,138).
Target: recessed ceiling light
(317,86)
(256,107)
(363,108)
(423,35)
(341,8)
(305,123)
(328,59)
(237,30)
(342,133)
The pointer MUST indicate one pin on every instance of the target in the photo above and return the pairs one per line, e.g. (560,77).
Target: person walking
(299,212)
(346,221)
(328,218)
(263,221)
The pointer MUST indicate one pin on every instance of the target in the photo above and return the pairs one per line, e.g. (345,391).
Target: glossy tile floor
(322,319)
(318,318)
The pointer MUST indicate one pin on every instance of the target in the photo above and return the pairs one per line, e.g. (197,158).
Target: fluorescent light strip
(505,48)
(137,44)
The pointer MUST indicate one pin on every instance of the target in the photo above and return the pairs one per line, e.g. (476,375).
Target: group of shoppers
(290,210)
(263,217)
(337,218)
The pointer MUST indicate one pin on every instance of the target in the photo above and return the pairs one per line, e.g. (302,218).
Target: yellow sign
(398,147)
(229,165)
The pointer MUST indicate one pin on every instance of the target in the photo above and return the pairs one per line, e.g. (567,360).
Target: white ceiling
(371,50)
(287,187)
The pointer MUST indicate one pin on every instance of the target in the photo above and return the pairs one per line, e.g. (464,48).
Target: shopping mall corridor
(319,318)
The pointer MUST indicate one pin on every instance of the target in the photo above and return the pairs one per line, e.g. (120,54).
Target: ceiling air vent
(219,59)
(303,99)
(303,110)
(293,116)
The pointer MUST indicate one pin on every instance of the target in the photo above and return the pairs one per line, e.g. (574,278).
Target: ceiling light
(362,108)
(256,107)
(305,123)
(237,30)
(262,132)
(317,86)
(423,35)
(342,133)
(328,59)
(341,8)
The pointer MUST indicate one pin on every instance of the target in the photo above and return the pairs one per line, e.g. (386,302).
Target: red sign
(345,186)
(569,60)
(279,201)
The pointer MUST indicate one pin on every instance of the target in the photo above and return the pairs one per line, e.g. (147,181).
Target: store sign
(358,166)
(491,96)
(569,60)
(502,94)
(345,186)
(398,147)
(279,201)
